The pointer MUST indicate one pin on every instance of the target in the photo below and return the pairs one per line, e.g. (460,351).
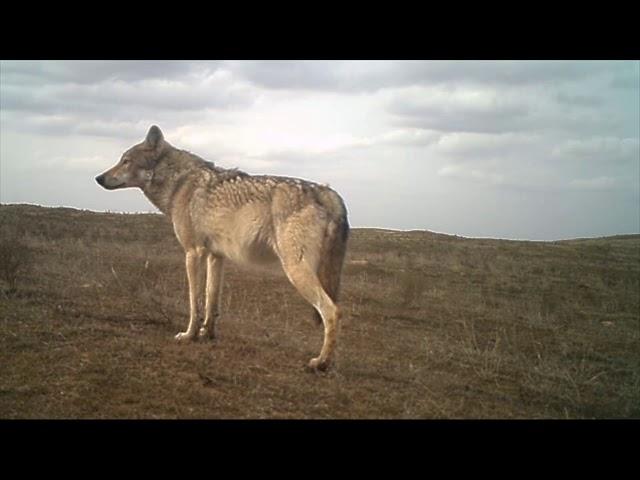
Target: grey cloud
(626,76)
(125,130)
(513,110)
(343,165)
(115,95)
(412,138)
(507,118)
(598,183)
(493,73)
(348,76)
(538,162)
(64,125)
(289,74)
(626,83)
(49,125)
(605,150)
(487,145)
(58,103)
(474,174)
(459,121)
(577,99)
(93,71)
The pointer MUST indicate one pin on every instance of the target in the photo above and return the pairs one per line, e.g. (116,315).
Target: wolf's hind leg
(307,283)
(213,293)
(195,270)
(331,260)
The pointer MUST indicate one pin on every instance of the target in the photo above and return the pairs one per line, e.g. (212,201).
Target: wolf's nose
(100,180)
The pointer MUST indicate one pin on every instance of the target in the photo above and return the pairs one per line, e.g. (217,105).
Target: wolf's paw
(206,333)
(316,364)
(184,337)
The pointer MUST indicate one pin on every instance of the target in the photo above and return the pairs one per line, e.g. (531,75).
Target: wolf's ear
(154,137)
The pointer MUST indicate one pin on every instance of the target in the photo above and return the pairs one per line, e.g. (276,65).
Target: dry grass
(435,327)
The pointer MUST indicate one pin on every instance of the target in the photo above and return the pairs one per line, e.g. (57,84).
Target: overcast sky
(527,150)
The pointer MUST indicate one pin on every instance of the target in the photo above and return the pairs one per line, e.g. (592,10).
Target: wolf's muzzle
(100,180)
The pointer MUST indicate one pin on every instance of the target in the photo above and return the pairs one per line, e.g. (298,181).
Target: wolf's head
(136,165)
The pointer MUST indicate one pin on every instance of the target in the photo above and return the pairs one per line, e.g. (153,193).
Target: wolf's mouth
(113,187)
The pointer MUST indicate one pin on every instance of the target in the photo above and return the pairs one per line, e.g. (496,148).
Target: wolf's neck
(165,181)
(160,198)
(173,173)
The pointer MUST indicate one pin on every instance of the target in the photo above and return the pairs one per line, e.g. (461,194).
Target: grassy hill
(435,326)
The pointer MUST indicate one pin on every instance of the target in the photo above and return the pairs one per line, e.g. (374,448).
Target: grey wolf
(223,214)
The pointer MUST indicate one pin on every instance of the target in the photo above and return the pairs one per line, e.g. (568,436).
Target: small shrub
(412,286)
(15,259)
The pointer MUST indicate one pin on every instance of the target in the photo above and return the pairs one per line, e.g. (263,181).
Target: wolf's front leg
(195,271)
(212,296)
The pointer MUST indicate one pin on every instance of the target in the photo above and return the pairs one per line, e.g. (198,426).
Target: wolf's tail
(334,250)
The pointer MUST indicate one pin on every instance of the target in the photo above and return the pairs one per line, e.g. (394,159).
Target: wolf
(223,214)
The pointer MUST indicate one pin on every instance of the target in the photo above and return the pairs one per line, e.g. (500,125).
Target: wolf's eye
(125,162)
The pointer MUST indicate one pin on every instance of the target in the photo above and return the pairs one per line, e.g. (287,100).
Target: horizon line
(148,212)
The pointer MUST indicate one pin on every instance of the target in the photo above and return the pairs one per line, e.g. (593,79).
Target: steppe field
(435,326)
